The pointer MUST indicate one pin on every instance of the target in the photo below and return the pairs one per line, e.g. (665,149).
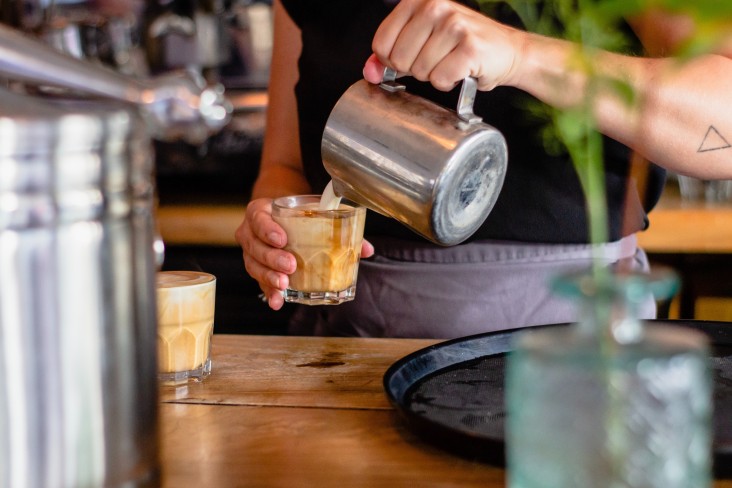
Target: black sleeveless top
(541,199)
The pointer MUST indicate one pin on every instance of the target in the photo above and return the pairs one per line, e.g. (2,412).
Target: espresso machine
(227,42)
(103,32)
(223,42)
(78,342)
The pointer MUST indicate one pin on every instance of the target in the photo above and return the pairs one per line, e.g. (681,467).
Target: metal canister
(438,171)
(78,374)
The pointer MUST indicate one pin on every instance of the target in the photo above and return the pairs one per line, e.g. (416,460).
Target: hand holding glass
(326,245)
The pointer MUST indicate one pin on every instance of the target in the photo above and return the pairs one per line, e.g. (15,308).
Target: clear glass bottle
(611,401)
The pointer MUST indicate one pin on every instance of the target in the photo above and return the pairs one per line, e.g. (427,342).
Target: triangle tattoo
(713,141)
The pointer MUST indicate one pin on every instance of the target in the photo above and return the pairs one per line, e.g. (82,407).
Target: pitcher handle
(389,82)
(465,100)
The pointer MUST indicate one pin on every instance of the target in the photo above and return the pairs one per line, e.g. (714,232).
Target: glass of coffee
(327,246)
(186,302)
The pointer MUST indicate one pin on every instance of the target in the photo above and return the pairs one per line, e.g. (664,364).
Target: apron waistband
(496,251)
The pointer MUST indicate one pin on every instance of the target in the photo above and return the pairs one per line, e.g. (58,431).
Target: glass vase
(611,401)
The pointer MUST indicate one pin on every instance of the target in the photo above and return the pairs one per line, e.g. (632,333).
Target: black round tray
(452,393)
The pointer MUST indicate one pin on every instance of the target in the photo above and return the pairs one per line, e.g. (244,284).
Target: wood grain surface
(282,371)
(303,412)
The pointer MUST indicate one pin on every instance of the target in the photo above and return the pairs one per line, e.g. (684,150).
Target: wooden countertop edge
(203,225)
(673,229)
(690,230)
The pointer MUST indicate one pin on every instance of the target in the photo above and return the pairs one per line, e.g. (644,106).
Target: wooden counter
(303,412)
(200,224)
(682,227)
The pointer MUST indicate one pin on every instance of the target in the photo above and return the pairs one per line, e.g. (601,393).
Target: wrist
(551,70)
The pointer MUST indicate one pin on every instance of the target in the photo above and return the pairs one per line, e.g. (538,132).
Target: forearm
(682,119)
(679,118)
(281,172)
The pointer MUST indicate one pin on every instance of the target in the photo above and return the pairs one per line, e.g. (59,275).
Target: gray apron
(409,289)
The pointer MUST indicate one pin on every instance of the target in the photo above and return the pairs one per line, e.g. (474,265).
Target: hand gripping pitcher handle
(435,170)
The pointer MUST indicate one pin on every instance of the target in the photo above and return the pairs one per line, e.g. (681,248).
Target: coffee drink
(326,245)
(186,302)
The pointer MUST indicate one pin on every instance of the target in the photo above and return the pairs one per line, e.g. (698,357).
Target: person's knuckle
(420,71)
(433,9)
(271,258)
(442,82)
(246,243)
(400,63)
(250,268)
(455,25)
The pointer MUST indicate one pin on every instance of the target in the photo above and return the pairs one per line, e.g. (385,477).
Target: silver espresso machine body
(78,393)
(78,321)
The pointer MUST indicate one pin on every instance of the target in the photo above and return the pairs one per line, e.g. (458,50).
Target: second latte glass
(327,246)
(186,305)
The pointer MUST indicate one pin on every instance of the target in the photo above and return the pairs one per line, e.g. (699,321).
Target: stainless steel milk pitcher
(78,382)
(437,171)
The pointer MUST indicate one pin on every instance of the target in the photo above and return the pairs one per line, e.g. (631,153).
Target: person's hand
(443,42)
(262,241)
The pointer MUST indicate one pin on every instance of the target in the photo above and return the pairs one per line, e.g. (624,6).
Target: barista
(538,228)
